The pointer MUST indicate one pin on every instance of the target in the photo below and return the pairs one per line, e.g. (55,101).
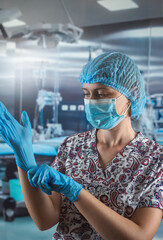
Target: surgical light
(14,23)
(115,5)
(9,14)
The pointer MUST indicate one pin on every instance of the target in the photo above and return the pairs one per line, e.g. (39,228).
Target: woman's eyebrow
(99,89)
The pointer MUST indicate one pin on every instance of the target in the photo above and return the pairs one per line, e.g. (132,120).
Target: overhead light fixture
(14,23)
(9,14)
(115,5)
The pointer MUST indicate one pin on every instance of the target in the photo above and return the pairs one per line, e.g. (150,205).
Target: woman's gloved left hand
(18,137)
(48,179)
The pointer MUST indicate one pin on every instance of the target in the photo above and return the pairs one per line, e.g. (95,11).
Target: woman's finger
(44,182)
(25,119)
(4,133)
(8,132)
(5,115)
(38,178)
(30,173)
(41,183)
(5,112)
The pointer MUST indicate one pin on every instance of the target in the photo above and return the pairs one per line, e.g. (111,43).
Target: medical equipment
(47,98)
(9,14)
(46,35)
(157,103)
(147,120)
(8,210)
(118,71)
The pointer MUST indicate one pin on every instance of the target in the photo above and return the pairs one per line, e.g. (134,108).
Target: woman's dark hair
(129,111)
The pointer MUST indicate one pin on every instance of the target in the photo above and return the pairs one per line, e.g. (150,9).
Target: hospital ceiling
(83,12)
(127,31)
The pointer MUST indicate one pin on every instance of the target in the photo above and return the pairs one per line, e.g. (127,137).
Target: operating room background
(23,68)
(27,68)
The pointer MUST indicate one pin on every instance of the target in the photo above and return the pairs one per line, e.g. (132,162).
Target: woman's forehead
(93,86)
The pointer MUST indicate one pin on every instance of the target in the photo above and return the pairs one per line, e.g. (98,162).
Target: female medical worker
(105,183)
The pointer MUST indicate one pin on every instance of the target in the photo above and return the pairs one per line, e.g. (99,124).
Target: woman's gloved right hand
(48,179)
(18,137)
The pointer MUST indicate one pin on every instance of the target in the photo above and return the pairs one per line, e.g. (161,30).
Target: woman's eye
(97,95)
(102,95)
(85,94)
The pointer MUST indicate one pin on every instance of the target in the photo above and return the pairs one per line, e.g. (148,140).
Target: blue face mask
(102,114)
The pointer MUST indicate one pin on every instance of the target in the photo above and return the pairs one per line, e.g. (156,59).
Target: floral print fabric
(133,179)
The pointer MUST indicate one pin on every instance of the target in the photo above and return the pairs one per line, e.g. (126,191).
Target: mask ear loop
(127,108)
(119,96)
(128,105)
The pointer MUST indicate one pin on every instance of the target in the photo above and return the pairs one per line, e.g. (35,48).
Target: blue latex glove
(48,179)
(18,137)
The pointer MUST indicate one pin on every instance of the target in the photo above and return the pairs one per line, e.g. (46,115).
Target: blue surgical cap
(116,70)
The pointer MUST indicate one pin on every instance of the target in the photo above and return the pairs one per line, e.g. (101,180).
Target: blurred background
(43,46)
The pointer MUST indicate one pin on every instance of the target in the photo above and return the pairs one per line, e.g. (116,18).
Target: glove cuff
(73,194)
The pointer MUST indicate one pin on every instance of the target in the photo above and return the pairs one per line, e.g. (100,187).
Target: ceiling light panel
(116,5)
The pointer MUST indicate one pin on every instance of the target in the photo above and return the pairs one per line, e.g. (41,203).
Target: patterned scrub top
(133,179)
